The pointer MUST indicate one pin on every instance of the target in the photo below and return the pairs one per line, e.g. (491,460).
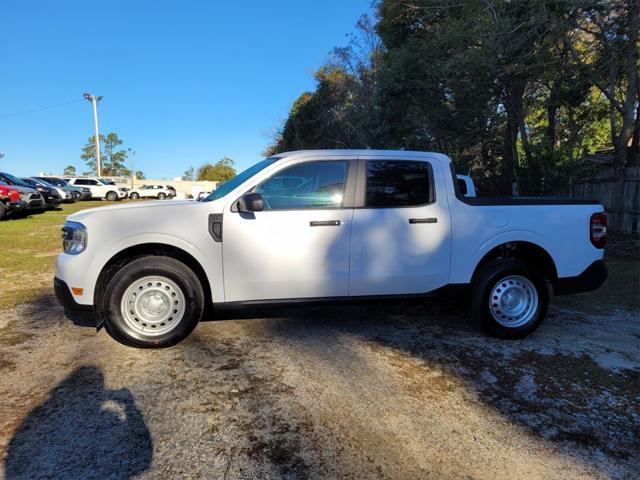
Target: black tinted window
(306,185)
(462,186)
(397,183)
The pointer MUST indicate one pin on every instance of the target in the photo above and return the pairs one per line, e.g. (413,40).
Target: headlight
(74,238)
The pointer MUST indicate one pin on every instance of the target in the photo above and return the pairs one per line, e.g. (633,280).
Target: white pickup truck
(328,226)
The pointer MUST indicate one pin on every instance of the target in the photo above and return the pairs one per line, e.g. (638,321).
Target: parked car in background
(202,195)
(329,226)
(66,195)
(152,191)
(79,193)
(50,194)
(10,200)
(33,199)
(98,188)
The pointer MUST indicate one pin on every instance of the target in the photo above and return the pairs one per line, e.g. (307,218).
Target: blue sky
(184,82)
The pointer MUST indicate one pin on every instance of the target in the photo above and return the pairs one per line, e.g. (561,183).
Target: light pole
(94,101)
(132,153)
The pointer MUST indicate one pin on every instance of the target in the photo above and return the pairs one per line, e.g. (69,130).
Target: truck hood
(164,208)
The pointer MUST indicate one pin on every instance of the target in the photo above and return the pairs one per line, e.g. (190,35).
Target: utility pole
(94,101)
(132,153)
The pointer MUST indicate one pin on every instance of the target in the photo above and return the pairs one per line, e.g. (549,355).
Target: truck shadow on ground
(82,430)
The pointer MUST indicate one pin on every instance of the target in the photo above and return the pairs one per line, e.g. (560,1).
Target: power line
(38,109)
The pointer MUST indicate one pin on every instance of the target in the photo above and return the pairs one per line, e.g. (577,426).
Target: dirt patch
(394,392)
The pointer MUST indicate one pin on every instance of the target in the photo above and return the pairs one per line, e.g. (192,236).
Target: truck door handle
(423,220)
(324,223)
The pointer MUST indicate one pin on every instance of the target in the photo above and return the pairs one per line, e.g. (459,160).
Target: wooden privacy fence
(602,186)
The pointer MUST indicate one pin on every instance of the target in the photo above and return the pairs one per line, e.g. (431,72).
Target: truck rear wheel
(152,302)
(509,298)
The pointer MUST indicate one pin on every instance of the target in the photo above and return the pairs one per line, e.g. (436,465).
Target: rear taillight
(598,230)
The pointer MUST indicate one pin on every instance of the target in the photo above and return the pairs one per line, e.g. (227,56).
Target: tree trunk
(622,140)
(552,112)
(509,153)
(515,124)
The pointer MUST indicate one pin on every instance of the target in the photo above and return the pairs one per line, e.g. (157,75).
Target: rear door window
(393,183)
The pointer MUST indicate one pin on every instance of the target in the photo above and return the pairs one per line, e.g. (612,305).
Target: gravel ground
(400,391)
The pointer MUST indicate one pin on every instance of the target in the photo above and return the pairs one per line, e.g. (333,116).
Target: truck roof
(443,159)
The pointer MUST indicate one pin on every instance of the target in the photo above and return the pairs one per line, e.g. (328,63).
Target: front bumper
(16,206)
(590,279)
(52,200)
(65,298)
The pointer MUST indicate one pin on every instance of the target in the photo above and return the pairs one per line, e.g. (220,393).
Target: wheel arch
(529,252)
(150,249)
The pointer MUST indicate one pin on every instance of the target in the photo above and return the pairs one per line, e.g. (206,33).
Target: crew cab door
(401,234)
(298,246)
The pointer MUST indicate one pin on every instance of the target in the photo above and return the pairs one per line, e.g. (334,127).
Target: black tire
(3,210)
(112,196)
(489,277)
(134,196)
(161,196)
(77,196)
(157,266)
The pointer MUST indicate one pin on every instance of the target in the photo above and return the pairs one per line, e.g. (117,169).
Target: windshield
(54,181)
(230,185)
(15,181)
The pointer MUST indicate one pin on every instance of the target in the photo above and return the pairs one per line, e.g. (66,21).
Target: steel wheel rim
(153,305)
(513,301)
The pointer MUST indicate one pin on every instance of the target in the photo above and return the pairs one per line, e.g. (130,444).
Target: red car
(10,200)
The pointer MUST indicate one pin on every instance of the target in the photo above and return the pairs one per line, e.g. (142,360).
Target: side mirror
(250,202)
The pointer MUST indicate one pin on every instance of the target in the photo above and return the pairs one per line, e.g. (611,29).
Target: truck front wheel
(152,302)
(509,298)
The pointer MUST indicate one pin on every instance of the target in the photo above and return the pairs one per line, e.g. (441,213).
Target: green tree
(221,171)
(140,175)
(189,174)
(512,91)
(112,158)
(603,39)
(69,171)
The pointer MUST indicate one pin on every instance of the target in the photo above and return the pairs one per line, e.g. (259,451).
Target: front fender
(107,253)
